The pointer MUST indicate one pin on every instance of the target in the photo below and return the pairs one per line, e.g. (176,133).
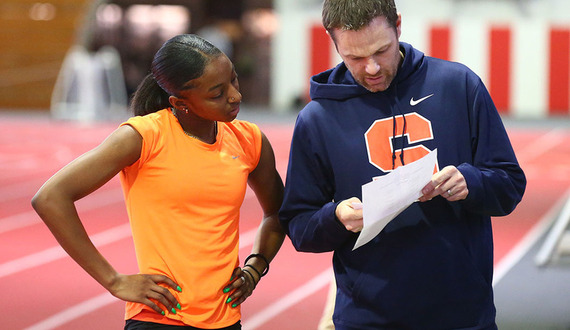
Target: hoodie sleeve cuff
(473,180)
(336,227)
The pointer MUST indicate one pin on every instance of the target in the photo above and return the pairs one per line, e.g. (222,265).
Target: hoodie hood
(339,84)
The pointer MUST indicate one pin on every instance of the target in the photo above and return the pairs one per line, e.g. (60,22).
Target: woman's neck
(197,128)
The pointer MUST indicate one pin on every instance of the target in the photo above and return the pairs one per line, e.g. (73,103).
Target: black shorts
(141,325)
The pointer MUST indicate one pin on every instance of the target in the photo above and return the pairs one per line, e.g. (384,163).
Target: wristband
(254,269)
(259,255)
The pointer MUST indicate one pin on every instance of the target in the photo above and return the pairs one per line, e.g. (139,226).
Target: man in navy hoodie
(384,106)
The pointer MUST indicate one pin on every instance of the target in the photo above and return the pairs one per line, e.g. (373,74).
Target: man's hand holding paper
(387,196)
(349,213)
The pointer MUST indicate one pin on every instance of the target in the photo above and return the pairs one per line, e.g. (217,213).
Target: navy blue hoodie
(432,266)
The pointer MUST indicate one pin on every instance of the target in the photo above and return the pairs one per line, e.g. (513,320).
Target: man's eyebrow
(380,49)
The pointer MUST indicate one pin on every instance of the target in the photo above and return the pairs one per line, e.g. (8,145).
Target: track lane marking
(90,305)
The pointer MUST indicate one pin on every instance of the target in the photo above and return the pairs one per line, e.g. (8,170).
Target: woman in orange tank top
(184,162)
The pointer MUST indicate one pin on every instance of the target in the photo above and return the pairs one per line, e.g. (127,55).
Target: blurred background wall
(520,48)
(65,56)
(88,56)
(34,38)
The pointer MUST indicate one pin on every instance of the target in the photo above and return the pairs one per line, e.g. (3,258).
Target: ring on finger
(449,192)
(243,279)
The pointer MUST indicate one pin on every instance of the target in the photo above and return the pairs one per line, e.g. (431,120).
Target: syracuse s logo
(379,138)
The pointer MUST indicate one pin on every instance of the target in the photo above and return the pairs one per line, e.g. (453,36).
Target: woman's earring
(185,110)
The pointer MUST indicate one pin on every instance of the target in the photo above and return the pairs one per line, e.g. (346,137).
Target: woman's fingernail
(178,306)
(229,299)
(179,289)
(234,305)
(173,310)
(162,312)
(231,278)
(226,290)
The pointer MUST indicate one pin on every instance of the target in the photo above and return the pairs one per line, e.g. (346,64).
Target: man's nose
(372,67)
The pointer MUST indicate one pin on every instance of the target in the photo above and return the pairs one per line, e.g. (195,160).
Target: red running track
(42,288)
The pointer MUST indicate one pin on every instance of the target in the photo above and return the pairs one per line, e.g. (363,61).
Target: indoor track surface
(42,288)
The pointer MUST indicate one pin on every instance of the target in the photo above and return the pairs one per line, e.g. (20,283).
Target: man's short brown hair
(356,14)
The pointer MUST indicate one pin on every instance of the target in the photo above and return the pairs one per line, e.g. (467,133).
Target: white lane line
(101,198)
(297,295)
(526,243)
(100,301)
(541,145)
(18,190)
(532,151)
(30,218)
(555,234)
(100,239)
(54,253)
(75,312)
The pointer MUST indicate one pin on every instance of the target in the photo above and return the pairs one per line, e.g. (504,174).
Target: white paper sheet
(387,196)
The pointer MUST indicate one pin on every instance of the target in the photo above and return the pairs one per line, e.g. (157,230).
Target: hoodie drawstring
(393,138)
(402,136)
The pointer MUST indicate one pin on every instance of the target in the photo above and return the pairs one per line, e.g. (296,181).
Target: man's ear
(332,38)
(399,25)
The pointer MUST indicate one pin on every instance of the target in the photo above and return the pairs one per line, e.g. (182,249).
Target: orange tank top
(183,198)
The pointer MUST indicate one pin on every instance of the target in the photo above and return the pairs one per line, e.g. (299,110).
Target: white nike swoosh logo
(415,102)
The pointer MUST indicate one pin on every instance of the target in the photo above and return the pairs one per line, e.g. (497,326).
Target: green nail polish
(179,289)
(229,299)
(162,312)
(226,290)
(178,306)
(231,278)
(234,305)
(173,311)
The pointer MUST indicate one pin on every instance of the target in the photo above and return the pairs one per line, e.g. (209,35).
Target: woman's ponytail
(149,97)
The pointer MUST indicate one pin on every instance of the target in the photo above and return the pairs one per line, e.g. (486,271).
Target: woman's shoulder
(151,119)
(243,126)
(245,133)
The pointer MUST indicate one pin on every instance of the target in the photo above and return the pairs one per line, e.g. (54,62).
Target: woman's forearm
(61,217)
(268,241)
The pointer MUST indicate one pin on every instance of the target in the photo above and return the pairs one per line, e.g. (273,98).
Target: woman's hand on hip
(145,289)
(241,286)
